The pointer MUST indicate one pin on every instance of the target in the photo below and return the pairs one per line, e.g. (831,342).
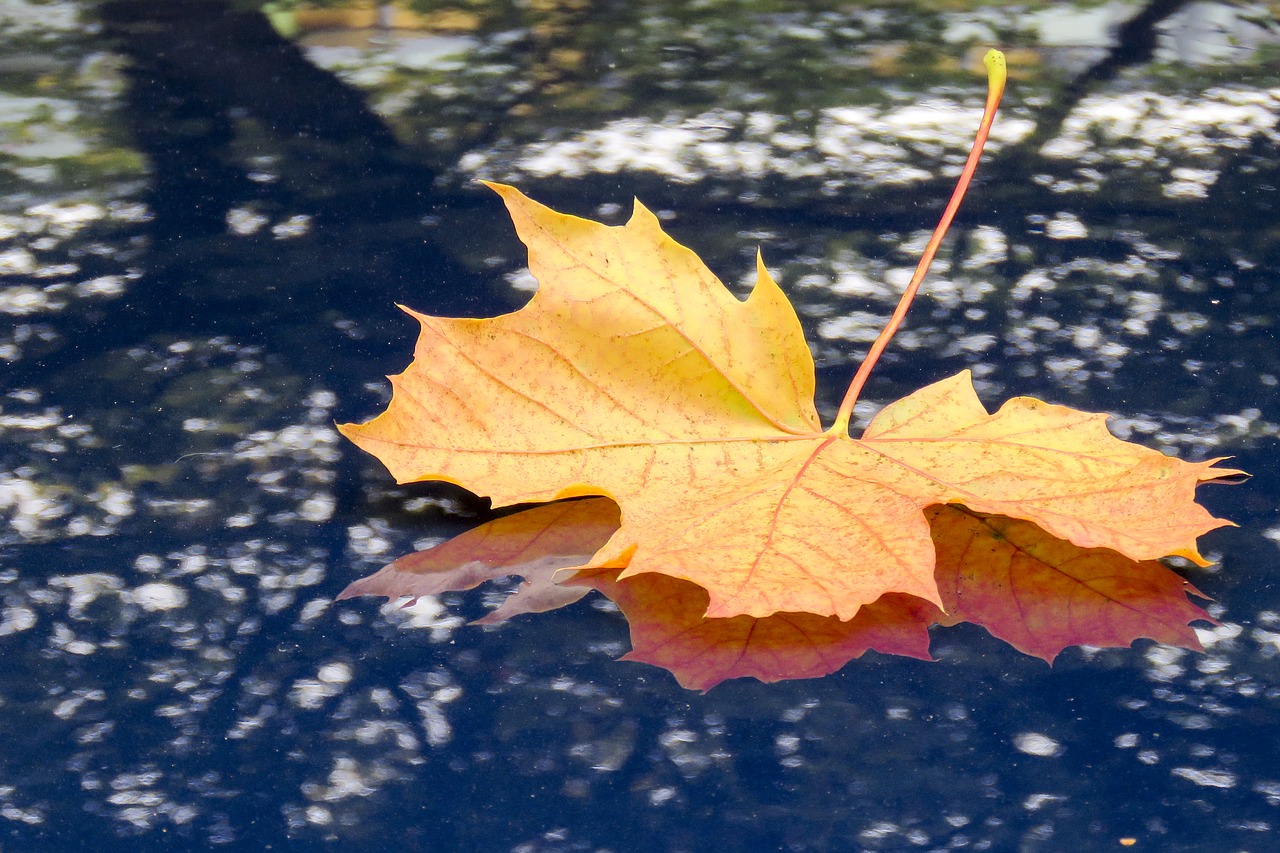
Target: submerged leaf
(1041,594)
(668,629)
(532,544)
(1036,592)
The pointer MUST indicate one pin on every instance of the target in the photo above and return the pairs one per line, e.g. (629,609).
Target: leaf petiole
(994,60)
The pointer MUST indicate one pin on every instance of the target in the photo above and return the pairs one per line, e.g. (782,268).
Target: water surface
(204,228)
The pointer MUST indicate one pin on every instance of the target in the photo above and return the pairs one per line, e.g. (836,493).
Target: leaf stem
(994,60)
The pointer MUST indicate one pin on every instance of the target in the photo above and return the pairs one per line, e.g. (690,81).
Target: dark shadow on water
(235,122)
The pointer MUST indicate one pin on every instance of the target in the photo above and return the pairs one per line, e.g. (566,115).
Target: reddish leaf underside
(533,544)
(669,629)
(1041,594)
(1035,591)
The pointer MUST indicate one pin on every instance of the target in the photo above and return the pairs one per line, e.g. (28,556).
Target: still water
(207,216)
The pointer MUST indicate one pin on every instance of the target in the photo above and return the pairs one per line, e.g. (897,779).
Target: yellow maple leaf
(633,373)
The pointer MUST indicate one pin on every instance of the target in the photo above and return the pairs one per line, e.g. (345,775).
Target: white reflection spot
(15,619)
(1035,802)
(658,796)
(1065,226)
(1033,743)
(1206,778)
(1210,637)
(159,596)
(334,673)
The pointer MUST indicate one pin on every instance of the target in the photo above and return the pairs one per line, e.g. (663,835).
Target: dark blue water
(204,229)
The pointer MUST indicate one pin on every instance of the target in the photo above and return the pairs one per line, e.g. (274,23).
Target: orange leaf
(634,374)
(1041,594)
(533,544)
(669,630)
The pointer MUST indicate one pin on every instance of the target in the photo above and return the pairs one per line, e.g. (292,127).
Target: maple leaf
(751,541)
(634,374)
